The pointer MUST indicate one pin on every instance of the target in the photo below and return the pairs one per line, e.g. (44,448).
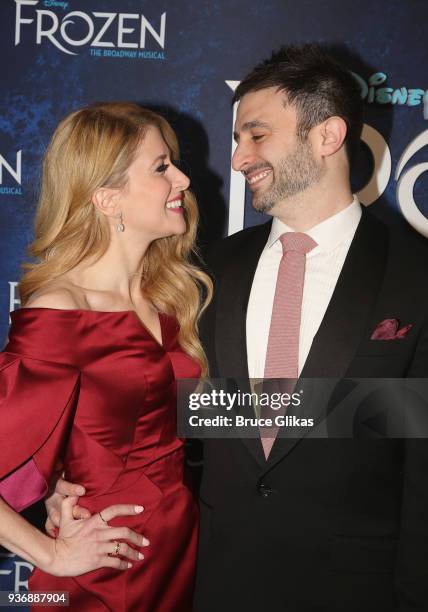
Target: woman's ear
(105,201)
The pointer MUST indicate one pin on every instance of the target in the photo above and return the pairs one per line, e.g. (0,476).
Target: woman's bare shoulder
(58,294)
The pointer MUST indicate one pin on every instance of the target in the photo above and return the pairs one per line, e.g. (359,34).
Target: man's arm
(412,562)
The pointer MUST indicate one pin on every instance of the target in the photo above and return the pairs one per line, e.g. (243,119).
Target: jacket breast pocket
(385,347)
(381,359)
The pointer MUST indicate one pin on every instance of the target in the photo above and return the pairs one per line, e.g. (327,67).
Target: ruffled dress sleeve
(38,400)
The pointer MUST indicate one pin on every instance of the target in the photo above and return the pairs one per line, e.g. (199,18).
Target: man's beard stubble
(295,172)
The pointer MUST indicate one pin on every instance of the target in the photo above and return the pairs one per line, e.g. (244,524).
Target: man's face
(276,163)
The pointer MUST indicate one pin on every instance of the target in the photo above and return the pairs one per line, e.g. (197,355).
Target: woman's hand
(84,545)
(63,488)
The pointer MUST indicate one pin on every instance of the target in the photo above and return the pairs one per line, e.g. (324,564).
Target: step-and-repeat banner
(184,58)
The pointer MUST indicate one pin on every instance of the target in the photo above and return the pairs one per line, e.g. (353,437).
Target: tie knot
(296,241)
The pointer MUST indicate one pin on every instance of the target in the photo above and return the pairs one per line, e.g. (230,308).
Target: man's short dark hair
(317,85)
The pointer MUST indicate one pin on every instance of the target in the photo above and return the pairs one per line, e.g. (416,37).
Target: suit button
(264,490)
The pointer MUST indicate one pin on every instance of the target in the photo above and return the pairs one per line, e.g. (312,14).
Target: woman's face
(151,202)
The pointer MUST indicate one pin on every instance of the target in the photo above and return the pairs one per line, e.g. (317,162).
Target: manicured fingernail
(129,565)
(146,542)
(80,491)
(140,556)
(138,509)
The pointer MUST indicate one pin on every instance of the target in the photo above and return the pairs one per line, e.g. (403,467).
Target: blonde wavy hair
(92,148)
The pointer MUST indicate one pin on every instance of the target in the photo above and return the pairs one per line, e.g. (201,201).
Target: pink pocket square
(388,330)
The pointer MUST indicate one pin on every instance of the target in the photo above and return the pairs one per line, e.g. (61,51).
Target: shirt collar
(329,233)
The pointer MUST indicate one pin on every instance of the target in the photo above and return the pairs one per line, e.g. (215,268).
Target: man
(312,524)
(303,524)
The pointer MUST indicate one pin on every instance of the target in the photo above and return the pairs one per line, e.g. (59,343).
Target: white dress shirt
(323,266)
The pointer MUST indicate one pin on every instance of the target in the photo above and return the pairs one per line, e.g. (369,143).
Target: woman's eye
(162,168)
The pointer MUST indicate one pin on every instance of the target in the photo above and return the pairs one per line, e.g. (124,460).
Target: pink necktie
(282,356)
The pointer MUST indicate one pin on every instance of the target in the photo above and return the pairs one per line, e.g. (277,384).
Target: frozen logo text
(98,29)
(12,172)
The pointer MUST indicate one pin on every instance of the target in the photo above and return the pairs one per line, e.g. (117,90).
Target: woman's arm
(20,537)
(81,546)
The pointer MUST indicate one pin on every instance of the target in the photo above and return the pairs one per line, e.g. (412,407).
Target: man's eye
(257,137)
(162,168)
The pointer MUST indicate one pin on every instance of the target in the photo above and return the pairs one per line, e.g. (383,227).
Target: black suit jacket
(324,524)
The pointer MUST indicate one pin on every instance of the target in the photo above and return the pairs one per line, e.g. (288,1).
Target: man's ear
(105,201)
(332,134)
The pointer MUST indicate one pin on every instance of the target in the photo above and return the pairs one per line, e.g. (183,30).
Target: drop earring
(120,227)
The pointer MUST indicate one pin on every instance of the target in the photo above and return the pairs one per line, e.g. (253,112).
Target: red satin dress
(97,390)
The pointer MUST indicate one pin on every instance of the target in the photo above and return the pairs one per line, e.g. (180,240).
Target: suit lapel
(351,303)
(233,292)
(344,322)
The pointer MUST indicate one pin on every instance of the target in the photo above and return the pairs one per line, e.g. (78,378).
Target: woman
(110,309)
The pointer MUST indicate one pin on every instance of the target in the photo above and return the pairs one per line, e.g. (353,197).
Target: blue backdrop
(184,58)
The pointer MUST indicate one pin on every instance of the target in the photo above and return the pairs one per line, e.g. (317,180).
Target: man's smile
(256,177)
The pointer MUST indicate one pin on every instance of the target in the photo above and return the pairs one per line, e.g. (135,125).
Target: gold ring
(115,553)
(103,519)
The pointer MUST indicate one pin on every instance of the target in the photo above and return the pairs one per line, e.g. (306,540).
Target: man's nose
(241,157)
